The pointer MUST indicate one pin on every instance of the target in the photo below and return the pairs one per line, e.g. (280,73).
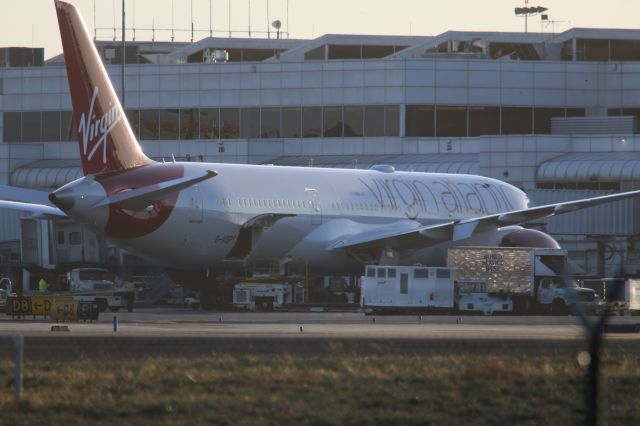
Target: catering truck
(518,279)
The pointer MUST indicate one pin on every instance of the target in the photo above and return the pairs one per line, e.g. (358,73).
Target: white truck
(262,296)
(407,289)
(487,280)
(619,296)
(95,284)
(518,279)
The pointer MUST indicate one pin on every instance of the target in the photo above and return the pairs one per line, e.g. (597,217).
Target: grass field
(344,388)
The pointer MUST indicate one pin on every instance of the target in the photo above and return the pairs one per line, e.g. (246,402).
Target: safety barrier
(59,308)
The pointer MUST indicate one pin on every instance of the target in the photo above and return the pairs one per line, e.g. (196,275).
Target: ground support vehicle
(619,296)
(89,285)
(408,289)
(262,296)
(472,297)
(522,280)
(6,291)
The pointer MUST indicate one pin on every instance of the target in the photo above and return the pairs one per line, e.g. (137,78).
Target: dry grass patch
(320,390)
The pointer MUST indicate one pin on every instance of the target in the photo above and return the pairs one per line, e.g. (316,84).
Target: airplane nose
(63,199)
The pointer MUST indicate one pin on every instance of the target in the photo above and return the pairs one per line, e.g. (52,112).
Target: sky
(33,22)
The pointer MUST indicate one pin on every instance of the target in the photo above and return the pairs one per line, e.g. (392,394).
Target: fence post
(18,341)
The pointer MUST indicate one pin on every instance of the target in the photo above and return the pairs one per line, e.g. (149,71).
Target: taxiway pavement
(171,322)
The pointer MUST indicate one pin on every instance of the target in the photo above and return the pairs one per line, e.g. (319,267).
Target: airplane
(204,220)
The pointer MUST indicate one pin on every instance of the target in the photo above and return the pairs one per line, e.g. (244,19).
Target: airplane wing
(395,236)
(38,211)
(24,195)
(28,200)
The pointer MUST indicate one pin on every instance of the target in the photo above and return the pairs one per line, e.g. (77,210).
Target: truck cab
(90,280)
(559,294)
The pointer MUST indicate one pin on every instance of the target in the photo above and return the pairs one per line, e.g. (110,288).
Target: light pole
(529,11)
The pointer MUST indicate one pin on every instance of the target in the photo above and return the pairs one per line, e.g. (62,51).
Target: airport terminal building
(555,114)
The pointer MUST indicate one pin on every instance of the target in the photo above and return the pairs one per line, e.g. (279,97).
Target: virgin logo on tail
(95,130)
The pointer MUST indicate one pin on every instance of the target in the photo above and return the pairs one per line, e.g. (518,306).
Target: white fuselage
(302,211)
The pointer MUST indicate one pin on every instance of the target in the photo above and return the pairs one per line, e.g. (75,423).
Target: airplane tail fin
(104,135)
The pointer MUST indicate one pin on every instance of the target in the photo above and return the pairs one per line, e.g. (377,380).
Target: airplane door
(313,206)
(195,204)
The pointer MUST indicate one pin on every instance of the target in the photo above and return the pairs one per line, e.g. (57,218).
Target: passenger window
(391,272)
(371,272)
(382,273)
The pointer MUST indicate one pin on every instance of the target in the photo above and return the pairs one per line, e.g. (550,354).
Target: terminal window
(169,124)
(230,121)
(353,121)
(311,122)
(12,130)
(451,121)
(188,123)
(209,123)
(374,120)
(270,123)
(420,120)
(250,123)
(516,120)
(332,122)
(484,120)
(291,123)
(149,124)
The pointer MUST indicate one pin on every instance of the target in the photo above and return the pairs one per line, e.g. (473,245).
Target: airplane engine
(528,238)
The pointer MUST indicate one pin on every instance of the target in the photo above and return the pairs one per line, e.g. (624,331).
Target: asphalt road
(186,333)
(172,322)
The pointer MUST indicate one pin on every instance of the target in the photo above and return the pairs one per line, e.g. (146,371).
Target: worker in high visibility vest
(130,293)
(42,286)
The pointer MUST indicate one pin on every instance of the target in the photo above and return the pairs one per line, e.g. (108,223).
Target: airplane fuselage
(268,212)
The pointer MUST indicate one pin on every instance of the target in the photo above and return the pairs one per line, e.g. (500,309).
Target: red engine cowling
(528,238)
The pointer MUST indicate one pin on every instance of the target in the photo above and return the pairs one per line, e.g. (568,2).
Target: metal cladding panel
(10,224)
(45,177)
(503,269)
(616,125)
(618,218)
(590,166)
